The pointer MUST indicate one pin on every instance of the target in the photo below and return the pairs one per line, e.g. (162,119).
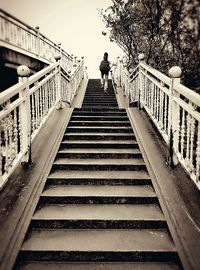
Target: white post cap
(141,57)
(23,71)
(57,56)
(175,72)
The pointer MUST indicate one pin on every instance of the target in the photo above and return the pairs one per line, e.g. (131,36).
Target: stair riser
(101,100)
(102,103)
(98,256)
(99,130)
(98,167)
(97,200)
(93,181)
(86,113)
(102,145)
(99,106)
(99,118)
(98,155)
(99,110)
(98,137)
(101,124)
(97,224)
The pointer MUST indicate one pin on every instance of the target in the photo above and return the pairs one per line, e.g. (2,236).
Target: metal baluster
(10,142)
(188,136)
(198,154)
(15,133)
(182,132)
(161,114)
(32,113)
(192,126)
(6,146)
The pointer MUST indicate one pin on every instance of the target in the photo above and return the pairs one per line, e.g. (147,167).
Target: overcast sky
(74,23)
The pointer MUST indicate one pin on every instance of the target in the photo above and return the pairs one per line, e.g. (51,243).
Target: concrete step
(99,106)
(99,129)
(95,216)
(98,194)
(94,154)
(53,265)
(95,100)
(100,123)
(95,136)
(98,113)
(99,245)
(99,164)
(56,178)
(99,190)
(100,110)
(123,144)
(98,118)
(107,175)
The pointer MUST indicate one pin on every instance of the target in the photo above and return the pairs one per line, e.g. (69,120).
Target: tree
(166,31)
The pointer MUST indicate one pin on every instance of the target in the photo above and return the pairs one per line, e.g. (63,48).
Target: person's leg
(106,83)
(102,80)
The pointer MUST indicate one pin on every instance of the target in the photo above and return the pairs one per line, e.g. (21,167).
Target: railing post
(173,117)
(37,28)
(141,58)
(58,88)
(25,115)
(82,68)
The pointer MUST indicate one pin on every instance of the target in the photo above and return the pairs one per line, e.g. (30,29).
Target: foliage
(166,31)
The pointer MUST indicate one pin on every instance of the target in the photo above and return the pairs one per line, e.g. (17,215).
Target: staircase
(98,209)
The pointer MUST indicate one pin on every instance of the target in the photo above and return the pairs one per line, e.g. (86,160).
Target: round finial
(69,71)
(175,72)
(57,56)
(141,57)
(23,71)
(130,70)
(37,28)
(82,57)
(59,44)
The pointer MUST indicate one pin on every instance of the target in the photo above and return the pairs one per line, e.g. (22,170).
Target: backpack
(104,66)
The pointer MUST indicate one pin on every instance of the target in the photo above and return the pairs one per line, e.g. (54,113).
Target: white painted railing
(26,106)
(19,36)
(173,108)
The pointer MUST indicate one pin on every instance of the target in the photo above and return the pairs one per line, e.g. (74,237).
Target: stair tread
(95,134)
(104,150)
(100,212)
(99,174)
(108,161)
(99,266)
(153,240)
(100,121)
(105,127)
(97,190)
(100,142)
